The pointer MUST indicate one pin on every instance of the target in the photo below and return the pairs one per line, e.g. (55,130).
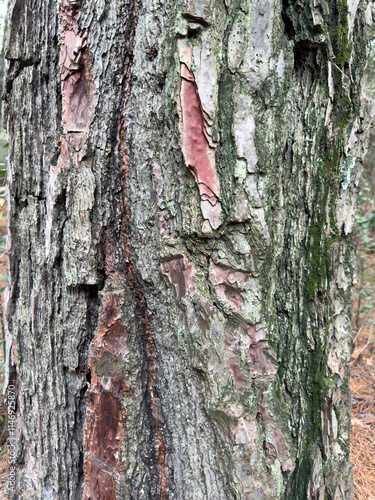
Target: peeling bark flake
(105,418)
(198,150)
(76,84)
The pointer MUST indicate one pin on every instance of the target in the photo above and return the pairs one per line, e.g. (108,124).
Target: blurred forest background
(362,447)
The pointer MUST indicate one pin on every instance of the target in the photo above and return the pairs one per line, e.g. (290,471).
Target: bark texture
(182,186)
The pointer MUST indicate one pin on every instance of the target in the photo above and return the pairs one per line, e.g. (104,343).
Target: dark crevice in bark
(158,485)
(195,19)
(93,304)
(288,23)
(15,68)
(305,55)
(79,428)
(117,249)
(158,471)
(226,150)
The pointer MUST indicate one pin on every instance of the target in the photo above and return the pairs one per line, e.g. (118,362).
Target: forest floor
(362,444)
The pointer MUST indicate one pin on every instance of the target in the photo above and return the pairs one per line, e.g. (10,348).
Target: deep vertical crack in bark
(105,474)
(146,334)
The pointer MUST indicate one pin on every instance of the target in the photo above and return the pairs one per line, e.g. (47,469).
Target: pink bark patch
(77,86)
(231,296)
(230,284)
(198,154)
(259,362)
(276,447)
(232,353)
(77,103)
(181,273)
(162,226)
(229,277)
(245,432)
(245,354)
(103,485)
(105,418)
(104,441)
(104,437)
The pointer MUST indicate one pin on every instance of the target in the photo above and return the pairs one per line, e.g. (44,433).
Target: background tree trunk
(182,185)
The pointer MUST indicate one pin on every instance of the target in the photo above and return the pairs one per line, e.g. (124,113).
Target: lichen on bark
(182,187)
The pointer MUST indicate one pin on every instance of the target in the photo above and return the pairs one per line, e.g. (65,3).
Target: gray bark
(182,185)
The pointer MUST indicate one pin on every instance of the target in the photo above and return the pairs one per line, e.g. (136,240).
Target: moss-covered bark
(182,184)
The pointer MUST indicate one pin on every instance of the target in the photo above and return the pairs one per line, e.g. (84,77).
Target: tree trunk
(182,186)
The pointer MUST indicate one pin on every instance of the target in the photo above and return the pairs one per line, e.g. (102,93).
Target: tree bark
(182,187)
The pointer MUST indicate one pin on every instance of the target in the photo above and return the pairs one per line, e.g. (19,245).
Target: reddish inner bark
(105,420)
(195,144)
